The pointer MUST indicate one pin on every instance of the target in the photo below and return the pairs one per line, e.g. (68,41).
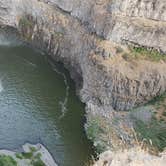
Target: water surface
(38,104)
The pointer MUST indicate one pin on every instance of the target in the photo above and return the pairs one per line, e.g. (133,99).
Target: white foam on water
(8,39)
(63,103)
(3,41)
(1,87)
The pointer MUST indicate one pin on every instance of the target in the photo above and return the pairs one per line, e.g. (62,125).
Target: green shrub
(154,131)
(19,156)
(159,102)
(158,99)
(38,162)
(141,52)
(93,129)
(7,161)
(33,149)
(27,155)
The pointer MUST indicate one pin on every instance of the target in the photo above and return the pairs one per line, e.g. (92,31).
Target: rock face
(135,21)
(132,157)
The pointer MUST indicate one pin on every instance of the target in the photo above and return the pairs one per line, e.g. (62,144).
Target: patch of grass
(33,149)
(35,159)
(141,52)
(159,102)
(7,161)
(19,156)
(94,131)
(37,162)
(158,99)
(154,132)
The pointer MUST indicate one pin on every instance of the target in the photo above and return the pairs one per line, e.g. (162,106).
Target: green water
(38,104)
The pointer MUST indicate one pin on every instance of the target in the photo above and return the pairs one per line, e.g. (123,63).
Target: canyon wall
(81,35)
(86,35)
(136,21)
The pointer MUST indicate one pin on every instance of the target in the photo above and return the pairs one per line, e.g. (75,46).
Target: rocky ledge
(133,157)
(32,155)
(115,51)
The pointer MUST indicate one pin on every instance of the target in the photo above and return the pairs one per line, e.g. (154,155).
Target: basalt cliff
(114,49)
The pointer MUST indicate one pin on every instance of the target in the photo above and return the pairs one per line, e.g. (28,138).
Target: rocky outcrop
(31,155)
(137,21)
(132,157)
(86,35)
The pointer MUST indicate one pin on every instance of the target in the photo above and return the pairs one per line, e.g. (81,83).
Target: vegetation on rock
(144,54)
(154,131)
(33,156)
(25,22)
(94,130)
(7,161)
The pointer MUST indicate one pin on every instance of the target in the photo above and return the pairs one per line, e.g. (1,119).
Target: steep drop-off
(90,37)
